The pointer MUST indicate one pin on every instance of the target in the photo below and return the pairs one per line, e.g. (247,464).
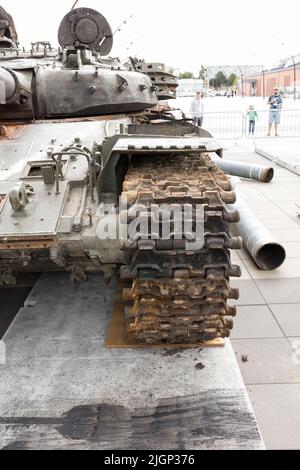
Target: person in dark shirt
(275,103)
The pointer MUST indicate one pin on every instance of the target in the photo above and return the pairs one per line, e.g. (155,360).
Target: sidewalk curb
(278,161)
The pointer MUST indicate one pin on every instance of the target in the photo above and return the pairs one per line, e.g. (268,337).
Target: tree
(184,75)
(218,81)
(202,73)
(232,80)
(221,79)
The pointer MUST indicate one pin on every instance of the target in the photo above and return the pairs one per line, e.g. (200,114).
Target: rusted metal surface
(46,84)
(180,296)
(8,32)
(164,83)
(31,244)
(10,132)
(87,28)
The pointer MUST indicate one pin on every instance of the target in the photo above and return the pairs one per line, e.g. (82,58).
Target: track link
(178,295)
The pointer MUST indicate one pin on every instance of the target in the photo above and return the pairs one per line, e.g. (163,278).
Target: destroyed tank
(93,171)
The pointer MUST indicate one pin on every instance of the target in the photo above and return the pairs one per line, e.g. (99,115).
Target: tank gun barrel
(7,86)
(15,87)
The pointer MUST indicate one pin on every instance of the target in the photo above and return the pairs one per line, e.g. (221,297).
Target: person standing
(197,109)
(275,102)
(253,117)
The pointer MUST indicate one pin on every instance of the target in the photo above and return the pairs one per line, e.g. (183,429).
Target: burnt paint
(177,423)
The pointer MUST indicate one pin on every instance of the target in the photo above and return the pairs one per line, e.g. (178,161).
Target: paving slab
(245,274)
(288,316)
(63,389)
(269,361)
(271,214)
(258,204)
(282,235)
(255,322)
(244,254)
(249,293)
(280,291)
(275,187)
(279,222)
(277,408)
(283,152)
(274,359)
(289,269)
(295,343)
(292,249)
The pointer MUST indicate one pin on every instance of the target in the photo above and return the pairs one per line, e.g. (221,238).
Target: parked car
(209,93)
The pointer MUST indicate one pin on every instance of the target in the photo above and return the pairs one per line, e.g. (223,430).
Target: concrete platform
(63,389)
(283,152)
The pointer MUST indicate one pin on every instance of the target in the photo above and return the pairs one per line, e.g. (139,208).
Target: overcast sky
(183,34)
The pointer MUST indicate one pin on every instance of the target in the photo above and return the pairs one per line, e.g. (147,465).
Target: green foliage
(202,73)
(219,81)
(184,75)
(232,80)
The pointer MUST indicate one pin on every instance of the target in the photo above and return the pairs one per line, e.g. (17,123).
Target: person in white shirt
(197,109)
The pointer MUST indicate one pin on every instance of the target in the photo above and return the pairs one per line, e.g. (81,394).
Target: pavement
(283,152)
(267,328)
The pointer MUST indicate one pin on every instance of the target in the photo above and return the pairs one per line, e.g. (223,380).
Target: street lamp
(242,77)
(263,76)
(263,82)
(295,73)
(295,91)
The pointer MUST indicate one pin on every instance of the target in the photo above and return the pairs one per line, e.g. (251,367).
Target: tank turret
(75,81)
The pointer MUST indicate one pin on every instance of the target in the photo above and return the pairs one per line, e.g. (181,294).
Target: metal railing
(235,125)
(288,126)
(224,125)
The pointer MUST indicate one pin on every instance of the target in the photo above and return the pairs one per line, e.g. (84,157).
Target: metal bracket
(7,278)
(18,196)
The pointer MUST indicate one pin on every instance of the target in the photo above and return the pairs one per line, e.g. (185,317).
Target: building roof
(280,68)
(229,69)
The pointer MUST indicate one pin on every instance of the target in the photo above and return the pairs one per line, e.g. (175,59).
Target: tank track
(178,296)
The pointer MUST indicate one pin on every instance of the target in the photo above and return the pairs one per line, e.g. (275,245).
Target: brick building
(286,77)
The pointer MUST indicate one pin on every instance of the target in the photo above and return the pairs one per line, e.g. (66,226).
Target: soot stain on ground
(177,422)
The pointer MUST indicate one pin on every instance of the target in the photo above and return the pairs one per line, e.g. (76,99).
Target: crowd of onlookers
(275,102)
